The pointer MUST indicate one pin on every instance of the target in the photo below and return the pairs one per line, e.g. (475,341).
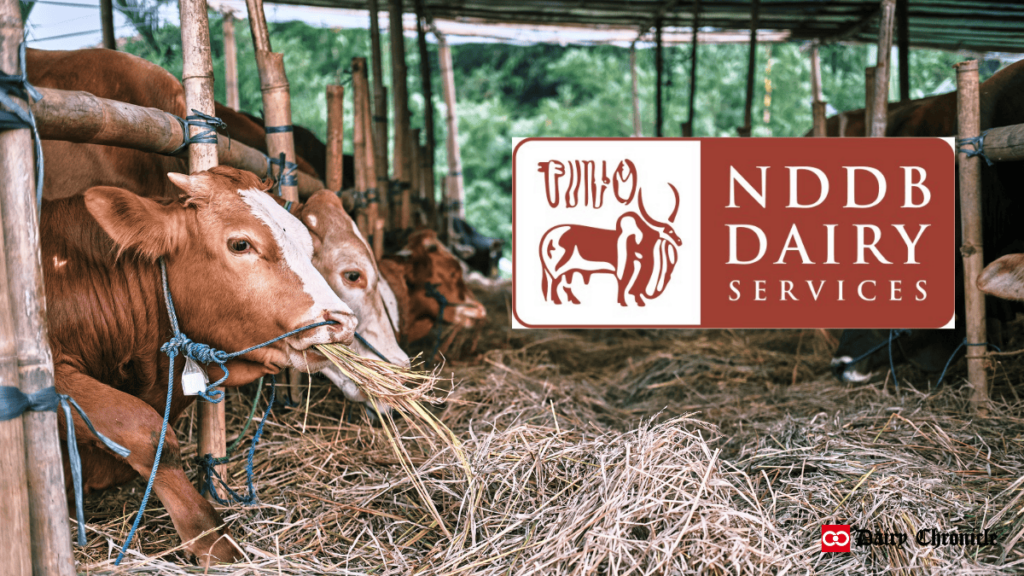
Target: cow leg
(572,297)
(554,290)
(132,423)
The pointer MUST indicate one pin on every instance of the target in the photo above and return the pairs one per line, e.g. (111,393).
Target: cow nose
(343,331)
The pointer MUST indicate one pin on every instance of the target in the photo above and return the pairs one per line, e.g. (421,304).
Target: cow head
(662,249)
(425,260)
(345,259)
(239,266)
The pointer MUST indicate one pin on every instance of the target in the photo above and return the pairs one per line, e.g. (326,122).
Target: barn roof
(980,25)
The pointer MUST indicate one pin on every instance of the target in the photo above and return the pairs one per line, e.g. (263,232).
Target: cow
(240,273)
(424,260)
(73,168)
(1002,104)
(640,251)
(346,261)
(480,252)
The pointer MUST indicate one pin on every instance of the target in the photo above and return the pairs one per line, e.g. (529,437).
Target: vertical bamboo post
(903,23)
(453,180)
(107,23)
(335,136)
(48,509)
(843,122)
(748,106)
(880,104)
(197,78)
(659,65)
(359,141)
(969,126)
(374,223)
(277,107)
(637,130)
(426,80)
(820,128)
(869,97)
(415,206)
(380,113)
(400,102)
(693,67)
(231,62)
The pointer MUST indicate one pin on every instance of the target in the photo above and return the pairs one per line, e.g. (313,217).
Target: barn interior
(614,452)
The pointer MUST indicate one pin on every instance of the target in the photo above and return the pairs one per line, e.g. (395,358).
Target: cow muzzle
(468,314)
(341,332)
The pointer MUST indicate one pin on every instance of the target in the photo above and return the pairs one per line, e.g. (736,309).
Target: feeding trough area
(174,267)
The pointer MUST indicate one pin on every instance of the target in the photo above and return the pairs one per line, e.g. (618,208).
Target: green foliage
(505,91)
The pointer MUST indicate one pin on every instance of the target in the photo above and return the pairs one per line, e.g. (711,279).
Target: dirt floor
(620,452)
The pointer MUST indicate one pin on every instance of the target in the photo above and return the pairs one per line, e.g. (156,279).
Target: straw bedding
(634,452)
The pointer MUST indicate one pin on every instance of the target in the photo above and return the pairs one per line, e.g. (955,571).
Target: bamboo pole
(748,106)
(637,130)
(869,97)
(197,77)
(659,65)
(427,176)
(359,141)
(969,126)
(414,175)
(400,104)
(277,107)
(903,23)
(375,222)
(693,67)
(335,136)
(820,126)
(230,62)
(380,113)
(107,23)
(47,530)
(453,180)
(880,103)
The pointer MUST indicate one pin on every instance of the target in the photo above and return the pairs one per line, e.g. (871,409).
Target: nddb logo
(835,538)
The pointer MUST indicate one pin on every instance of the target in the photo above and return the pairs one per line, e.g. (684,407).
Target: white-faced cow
(640,251)
(240,273)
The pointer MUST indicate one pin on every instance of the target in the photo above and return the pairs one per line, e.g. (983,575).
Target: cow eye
(352,277)
(239,246)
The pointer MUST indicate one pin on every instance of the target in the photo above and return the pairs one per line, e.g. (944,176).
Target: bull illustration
(640,251)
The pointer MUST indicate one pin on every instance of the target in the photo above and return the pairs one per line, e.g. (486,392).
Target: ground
(629,452)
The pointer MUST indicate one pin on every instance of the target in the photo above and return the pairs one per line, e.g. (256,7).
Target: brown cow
(240,274)
(424,259)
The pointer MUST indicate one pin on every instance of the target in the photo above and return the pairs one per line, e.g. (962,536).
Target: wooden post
(880,104)
(693,66)
(903,22)
(843,121)
(969,126)
(637,130)
(427,155)
(748,106)
(453,180)
(359,141)
(869,97)
(400,103)
(107,23)
(277,107)
(230,62)
(380,114)
(26,303)
(820,126)
(375,222)
(335,136)
(197,77)
(659,65)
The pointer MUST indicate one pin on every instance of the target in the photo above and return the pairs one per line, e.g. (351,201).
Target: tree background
(506,91)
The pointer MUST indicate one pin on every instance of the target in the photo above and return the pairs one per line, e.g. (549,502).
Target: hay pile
(634,452)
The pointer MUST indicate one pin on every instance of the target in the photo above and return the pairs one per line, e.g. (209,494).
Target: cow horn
(672,217)
(643,211)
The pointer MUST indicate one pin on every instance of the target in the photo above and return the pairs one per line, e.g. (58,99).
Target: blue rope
(14,402)
(978,142)
(366,343)
(181,344)
(208,134)
(442,303)
(16,117)
(963,343)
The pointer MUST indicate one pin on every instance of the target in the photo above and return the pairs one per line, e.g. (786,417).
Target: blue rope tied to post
(963,343)
(14,402)
(208,135)
(442,303)
(181,344)
(285,173)
(978,143)
(16,117)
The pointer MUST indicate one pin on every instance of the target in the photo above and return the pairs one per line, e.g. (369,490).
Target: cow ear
(140,224)
(1004,278)
(193,192)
